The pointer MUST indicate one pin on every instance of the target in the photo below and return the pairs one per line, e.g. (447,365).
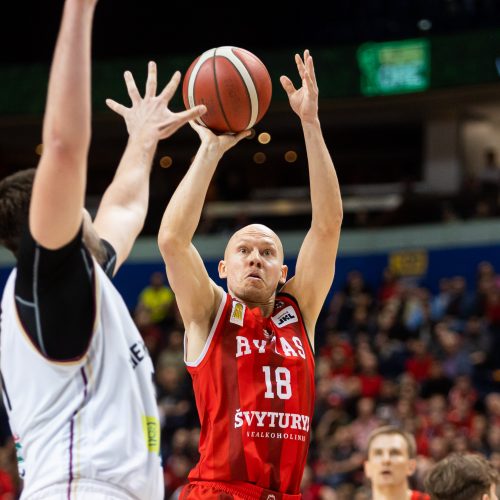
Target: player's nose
(255,258)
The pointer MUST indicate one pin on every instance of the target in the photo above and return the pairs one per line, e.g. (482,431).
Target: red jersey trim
(294,300)
(208,342)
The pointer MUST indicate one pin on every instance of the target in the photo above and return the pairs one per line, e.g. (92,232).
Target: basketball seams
(192,80)
(217,91)
(250,87)
(230,81)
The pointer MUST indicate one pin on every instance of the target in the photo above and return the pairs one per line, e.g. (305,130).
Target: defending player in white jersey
(76,377)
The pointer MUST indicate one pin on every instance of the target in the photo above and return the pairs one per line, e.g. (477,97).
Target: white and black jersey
(77,381)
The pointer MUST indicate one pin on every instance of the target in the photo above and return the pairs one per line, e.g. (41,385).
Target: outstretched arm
(123,208)
(316,260)
(59,186)
(196,294)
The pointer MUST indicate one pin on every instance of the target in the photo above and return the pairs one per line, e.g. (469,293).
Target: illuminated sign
(394,67)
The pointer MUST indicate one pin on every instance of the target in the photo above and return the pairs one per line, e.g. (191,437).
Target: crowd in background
(478,197)
(392,355)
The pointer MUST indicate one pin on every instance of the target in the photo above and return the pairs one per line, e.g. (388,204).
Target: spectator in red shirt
(419,364)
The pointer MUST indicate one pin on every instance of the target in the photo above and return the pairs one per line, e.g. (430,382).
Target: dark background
(377,140)
(131,28)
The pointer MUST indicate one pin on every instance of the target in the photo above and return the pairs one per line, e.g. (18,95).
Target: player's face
(253,264)
(388,461)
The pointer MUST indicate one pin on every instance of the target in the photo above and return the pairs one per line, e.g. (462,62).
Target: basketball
(233,84)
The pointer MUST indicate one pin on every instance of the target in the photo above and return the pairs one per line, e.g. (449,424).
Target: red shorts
(219,490)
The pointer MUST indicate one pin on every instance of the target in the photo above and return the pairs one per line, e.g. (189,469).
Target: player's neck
(396,492)
(266,308)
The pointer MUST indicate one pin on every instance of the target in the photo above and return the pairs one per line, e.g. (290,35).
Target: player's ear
(284,272)
(412,466)
(222,269)
(366,466)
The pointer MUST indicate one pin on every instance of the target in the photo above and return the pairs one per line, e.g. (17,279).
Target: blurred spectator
(175,402)
(157,299)
(340,459)
(151,333)
(452,353)
(477,340)
(440,302)
(437,383)
(461,302)
(9,478)
(356,294)
(389,287)
(418,365)
(369,379)
(365,422)
(173,354)
(311,489)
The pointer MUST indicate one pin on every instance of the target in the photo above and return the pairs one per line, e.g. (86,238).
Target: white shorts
(83,489)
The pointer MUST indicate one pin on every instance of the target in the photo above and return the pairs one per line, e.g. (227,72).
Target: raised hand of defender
(218,143)
(150,115)
(303,101)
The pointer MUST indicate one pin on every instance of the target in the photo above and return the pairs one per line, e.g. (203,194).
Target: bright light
(424,25)
(291,156)
(165,161)
(264,138)
(259,158)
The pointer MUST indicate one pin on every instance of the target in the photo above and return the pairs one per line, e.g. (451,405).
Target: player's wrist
(212,150)
(144,140)
(310,121)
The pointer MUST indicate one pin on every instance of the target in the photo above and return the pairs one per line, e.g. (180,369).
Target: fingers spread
(310,68)
(287,84)
(191,114)
(151,83)
(171,87)
(116,107)
(132,87)
(300,65)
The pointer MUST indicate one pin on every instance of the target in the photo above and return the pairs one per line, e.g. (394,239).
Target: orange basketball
(233,84)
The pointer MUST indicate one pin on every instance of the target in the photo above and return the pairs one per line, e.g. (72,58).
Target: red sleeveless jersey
(254,388)
(417,495)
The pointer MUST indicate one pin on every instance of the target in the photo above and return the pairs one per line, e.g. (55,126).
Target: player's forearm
(130,187)
(324,185)
(68,107)
(59,186)
(182,215)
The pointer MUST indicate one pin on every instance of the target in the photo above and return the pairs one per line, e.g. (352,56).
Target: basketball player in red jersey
(250,351)
(390,463)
